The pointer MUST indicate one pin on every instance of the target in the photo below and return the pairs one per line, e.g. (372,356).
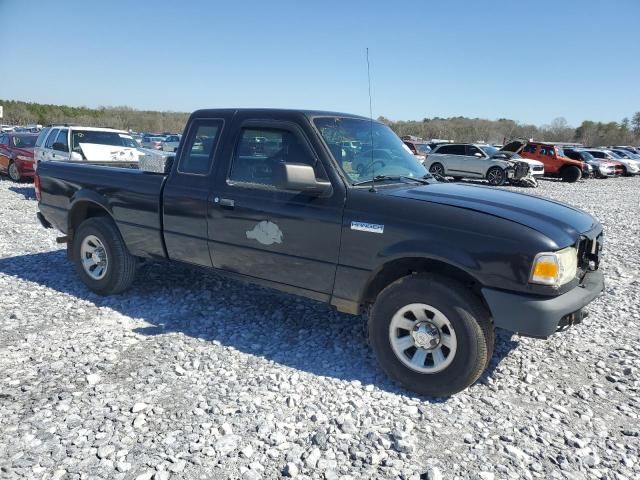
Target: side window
(457,150)
(530,149)
(62,142)
(200,146)
(4,139)
(42,136)
(260,150)
(51,138)
(445,150)
(472,150)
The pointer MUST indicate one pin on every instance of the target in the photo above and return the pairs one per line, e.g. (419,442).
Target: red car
(16,155)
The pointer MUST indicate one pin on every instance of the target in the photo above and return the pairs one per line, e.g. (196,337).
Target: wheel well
(396,269)
(83,210)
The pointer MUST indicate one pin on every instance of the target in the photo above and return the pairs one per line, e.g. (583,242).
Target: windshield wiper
(382,178)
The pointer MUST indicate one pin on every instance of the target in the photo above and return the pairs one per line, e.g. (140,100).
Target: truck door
(255,229)
(186,193)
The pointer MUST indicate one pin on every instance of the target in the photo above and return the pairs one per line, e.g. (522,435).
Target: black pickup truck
(331,206)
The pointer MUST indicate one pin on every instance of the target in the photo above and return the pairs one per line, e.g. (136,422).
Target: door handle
(224,202)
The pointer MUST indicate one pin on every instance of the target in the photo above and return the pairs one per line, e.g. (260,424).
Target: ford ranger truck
(332,207)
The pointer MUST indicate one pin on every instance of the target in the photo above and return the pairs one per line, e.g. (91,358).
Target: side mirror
(477,154)
(60,147)
(300,177)
(75,157)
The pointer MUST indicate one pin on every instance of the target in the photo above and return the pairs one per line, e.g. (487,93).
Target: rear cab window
(200,146)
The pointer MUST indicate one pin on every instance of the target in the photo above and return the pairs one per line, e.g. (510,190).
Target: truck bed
(132,197)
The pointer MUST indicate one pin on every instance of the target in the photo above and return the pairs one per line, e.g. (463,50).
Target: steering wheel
(375,163)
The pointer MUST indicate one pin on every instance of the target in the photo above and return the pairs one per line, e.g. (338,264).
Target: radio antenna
(373,169)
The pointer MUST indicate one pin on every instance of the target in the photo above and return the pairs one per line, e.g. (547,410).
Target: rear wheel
(101,257)
(431,334)
(437,169)
(14,173)
(496,176)
(571,174)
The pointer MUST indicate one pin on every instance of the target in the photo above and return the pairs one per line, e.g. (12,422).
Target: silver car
(468,160)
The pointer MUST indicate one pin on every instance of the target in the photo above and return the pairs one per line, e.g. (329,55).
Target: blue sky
(527,60)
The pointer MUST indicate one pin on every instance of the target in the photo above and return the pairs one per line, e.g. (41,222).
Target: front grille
(522,169)
(589,253)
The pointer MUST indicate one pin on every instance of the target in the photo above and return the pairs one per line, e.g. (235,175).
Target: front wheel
(14,173)
(431,334)
(571,174)
(496,176)
(101,257)
(437,169)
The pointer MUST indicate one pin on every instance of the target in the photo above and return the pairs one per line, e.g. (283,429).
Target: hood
(537,163)
(100,153)
(560,222)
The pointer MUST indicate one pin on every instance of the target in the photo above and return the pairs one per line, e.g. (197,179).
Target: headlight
(555,268)
(605,168)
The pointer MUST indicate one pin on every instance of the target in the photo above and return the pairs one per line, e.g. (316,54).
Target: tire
(437,169)
(469,330)
(496,176)
(13,172)
(571,174)
(119,266)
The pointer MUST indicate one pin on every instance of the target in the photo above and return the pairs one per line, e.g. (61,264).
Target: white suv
(459,161)
(74,143)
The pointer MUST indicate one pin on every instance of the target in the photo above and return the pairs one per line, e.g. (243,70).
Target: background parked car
(556,164)
(630,167)
(171,143)
(77,143)
(460,160)
(601,168)
(16,154)
(152,141)
(626,154)
(418,147)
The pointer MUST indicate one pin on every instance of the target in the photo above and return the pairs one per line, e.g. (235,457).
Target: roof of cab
(282,111)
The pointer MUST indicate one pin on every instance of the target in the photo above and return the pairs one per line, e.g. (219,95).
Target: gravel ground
(189,375)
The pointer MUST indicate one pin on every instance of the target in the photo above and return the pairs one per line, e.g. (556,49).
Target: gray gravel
(190,375)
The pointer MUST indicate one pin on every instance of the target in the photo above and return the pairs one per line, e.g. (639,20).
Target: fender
(84,196)
(429,249)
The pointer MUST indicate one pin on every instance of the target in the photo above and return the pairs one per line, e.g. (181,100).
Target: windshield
(586,156)
(25,142)
(100,138)
(560,152)
(489,150)
(614,155)
(423,148)
(384,156)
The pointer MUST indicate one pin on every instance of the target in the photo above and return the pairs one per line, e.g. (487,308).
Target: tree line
(461,129)
(124,118)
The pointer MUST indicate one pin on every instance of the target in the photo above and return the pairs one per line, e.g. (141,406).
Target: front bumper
(536,316)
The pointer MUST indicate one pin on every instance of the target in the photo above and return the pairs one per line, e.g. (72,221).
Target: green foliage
(461,129)
(464,129)
(23,113)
